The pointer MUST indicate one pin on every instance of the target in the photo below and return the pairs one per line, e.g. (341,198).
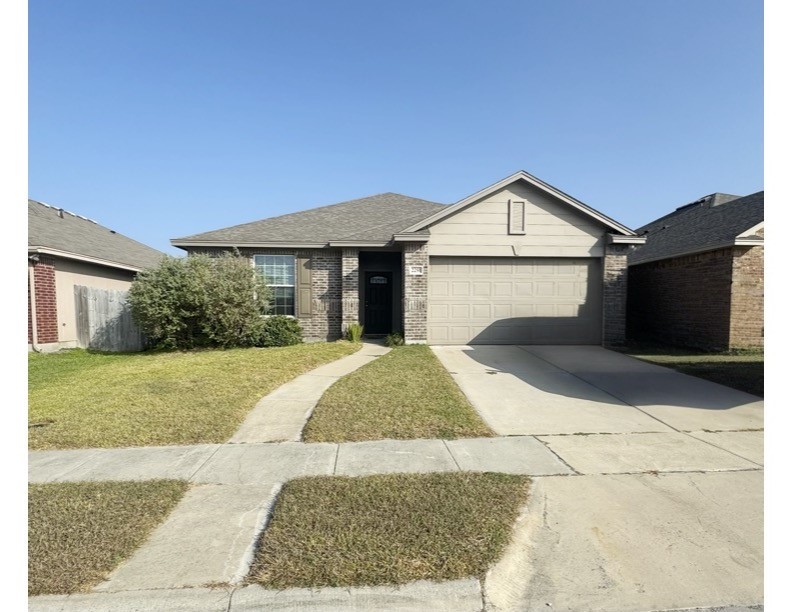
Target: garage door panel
(514,300)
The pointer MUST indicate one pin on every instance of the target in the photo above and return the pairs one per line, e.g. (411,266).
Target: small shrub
(354,332)
(394,339)
(280,330)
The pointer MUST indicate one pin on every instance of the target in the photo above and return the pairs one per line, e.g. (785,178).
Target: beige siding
(69,273)
(552,228)
(517,300)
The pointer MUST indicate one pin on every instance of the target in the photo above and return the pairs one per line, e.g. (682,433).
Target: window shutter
(516,217)
(304,297)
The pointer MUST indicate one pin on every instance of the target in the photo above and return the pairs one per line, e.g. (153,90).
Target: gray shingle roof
(372,219)
(81,236)
(711,222)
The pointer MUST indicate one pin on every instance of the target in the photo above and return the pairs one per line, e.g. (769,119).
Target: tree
(200,300)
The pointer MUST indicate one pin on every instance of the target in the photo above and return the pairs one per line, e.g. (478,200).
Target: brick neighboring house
(699,279)
(66,250)
(517,262)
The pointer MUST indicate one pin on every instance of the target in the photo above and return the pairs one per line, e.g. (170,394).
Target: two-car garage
(514,300)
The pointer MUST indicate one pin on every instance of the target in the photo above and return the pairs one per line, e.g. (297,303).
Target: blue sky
(163,119)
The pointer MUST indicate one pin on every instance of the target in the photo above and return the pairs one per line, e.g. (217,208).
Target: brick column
(416,292)
(46,306)
(350,288)
(614,294)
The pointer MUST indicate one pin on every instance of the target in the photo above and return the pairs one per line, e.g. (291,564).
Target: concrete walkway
(282,414)
(627,512)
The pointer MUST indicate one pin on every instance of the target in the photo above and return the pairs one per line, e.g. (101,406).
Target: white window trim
(294,286)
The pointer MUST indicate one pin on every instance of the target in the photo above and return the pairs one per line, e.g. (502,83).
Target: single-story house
(699,279)
(517,262)
(67,250)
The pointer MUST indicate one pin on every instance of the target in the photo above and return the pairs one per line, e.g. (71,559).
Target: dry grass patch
(405,394)
(740,370)
(79,532)
(79,399)
(390,529)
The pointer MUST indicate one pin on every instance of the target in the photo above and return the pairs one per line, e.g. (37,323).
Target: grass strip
(387,529)
(405,394)
(80,399)
(79,532)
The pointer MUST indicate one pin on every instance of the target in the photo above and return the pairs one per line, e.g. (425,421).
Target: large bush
(200,301)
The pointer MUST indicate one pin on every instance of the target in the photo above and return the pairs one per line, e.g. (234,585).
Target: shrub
(354,332)
(200,301)
(394,339)
(280,330)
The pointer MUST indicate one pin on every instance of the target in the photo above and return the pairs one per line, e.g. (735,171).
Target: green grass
(78,399)
(391,529)
(743,370)
(403,395)
(79,532)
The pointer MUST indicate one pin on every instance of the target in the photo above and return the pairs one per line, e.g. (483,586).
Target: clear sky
(163,119)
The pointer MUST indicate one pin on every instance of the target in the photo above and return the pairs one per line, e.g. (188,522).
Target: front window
(278,273)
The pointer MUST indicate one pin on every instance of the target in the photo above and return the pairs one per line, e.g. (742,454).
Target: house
(699,279)
(66,250)
(517,262)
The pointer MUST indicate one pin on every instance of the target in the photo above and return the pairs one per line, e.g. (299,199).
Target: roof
(714,221)
(58,232)
(373,219)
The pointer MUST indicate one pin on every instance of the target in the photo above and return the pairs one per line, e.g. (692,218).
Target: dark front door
(378,309)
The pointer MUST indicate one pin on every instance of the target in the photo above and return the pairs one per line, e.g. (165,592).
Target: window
(278,273)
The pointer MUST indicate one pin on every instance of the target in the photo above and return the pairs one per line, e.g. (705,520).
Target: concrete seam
(555,454)
(483,595)
(603,390)
(721,448)
(231,598)
(335,461)
(198,469)
(448,450)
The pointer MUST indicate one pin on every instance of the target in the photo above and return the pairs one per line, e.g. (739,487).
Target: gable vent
(517,217)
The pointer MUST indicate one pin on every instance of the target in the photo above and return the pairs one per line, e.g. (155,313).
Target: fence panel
(104,320)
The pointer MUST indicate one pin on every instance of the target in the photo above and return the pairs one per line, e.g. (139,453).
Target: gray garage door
(511,300)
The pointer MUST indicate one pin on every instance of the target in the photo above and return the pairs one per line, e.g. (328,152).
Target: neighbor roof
(58,232)
(374,219)
(712,222)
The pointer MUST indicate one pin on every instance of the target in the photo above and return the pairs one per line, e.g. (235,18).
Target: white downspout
(34,326)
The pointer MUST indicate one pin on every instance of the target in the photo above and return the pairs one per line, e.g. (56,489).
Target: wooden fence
(104,321)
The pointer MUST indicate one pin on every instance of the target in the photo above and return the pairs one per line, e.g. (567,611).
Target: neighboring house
(699,280)
(517,262)
(66,250)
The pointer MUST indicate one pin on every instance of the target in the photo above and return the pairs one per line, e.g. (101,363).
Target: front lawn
(743,371)
(390,529)
(79,532)
(403,395)
(78,399)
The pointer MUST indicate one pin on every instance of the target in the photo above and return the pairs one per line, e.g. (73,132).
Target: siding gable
(485,228)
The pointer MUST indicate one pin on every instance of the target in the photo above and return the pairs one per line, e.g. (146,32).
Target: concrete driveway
(664,509)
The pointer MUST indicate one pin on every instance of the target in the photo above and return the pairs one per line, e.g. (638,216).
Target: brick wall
(746,326)
(684,301)
(46,304)
(416,289)
(325,320)
(614,294)
(350,288)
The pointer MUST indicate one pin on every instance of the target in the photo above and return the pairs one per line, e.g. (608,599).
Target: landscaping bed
(389,529)
(79,532)
(740,370)
(79,399)
(405,394)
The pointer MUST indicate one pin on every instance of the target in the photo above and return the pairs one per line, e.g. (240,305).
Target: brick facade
(326,282)
(46,302)
(350,288)
(711,301)
(416,292)
(614,294)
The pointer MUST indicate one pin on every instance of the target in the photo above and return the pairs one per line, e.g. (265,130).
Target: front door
(378,308)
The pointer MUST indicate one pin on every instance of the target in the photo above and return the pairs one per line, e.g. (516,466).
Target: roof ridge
(63,210)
